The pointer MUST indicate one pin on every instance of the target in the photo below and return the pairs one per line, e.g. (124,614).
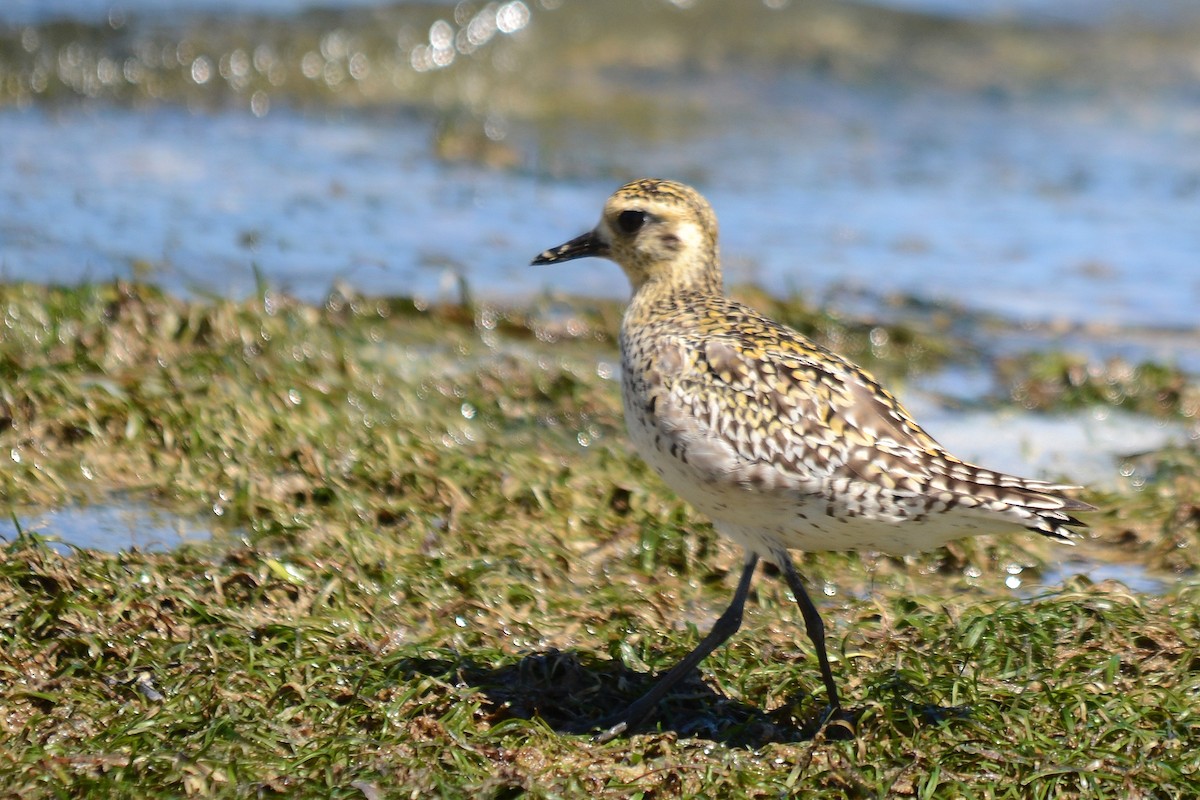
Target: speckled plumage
(783,444)
(777,439)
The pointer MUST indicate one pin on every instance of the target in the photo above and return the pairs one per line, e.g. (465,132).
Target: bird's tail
(1037,505)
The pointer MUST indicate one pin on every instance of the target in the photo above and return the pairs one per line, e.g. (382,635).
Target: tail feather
(1039,505)
(1057,525)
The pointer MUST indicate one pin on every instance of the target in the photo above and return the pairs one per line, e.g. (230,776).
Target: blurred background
(1035,159)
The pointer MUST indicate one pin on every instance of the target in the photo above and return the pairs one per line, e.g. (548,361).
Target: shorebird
(783,444)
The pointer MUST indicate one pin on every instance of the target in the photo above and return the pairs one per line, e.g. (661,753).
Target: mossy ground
(436,559)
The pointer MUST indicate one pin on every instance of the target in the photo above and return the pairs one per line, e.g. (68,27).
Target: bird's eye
(631,221)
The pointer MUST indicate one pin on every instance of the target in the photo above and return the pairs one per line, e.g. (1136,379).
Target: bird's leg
(812,622)
(725,626)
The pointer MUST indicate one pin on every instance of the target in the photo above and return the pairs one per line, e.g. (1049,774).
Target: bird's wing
(793,405)
(784,403)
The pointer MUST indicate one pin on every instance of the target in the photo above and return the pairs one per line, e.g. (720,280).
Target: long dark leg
(725,626)
(812,621)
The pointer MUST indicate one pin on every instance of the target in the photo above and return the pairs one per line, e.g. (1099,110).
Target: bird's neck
(687,277)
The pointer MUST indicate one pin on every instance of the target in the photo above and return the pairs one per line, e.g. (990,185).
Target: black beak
(588,244)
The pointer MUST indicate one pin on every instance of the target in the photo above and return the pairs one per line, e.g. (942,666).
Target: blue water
(990,216)
(120,526)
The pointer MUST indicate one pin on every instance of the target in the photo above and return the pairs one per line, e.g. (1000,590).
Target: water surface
(111,527)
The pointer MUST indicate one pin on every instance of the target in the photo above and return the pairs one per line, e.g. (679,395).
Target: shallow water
(1087,446)
(199,202)
(111,527)
(1131,575)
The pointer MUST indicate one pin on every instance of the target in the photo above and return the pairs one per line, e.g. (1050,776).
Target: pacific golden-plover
(781,443)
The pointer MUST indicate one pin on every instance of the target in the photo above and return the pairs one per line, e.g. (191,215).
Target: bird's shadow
(572,691)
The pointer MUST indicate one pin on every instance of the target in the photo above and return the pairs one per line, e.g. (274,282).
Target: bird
(781,443)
